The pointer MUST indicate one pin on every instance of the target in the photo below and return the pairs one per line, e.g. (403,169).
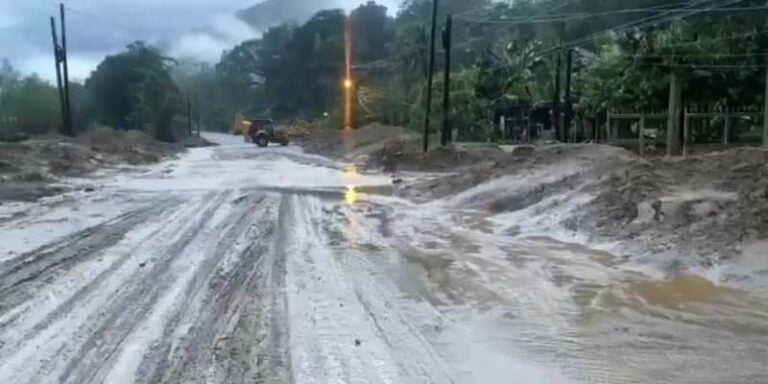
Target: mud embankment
(35,168)
(682,214)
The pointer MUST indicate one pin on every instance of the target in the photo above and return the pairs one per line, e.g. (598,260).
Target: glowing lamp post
(348,83)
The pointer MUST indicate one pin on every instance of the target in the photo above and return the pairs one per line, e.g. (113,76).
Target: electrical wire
(580,16)
(713,66)
(650,21)
(100,19)
(704,55)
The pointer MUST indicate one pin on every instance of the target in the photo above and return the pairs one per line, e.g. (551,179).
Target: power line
(704,55)
(579,16)
(545,15)
(560,4)
(646,22)
(100,19)
(636,24)
(713,66)
(716,39)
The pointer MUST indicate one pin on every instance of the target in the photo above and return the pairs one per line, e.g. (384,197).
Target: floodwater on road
(235,264)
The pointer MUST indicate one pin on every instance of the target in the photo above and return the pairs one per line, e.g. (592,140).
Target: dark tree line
(505,60)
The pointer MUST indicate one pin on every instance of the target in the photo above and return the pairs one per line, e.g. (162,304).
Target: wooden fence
(701,128)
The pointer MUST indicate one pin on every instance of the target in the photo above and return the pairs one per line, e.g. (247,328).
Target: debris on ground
(357,144)
(688,213)
(699,211)
(392,148)
(197,142)
(30,169)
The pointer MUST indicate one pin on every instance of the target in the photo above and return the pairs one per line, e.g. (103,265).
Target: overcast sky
(198,29)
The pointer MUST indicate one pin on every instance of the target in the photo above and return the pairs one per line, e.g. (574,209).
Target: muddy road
(235,264)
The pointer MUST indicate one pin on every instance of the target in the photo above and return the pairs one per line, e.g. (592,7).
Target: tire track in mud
(344,328)
(20,277)
(107,308)
(71,249)
(232,334)
(126,310)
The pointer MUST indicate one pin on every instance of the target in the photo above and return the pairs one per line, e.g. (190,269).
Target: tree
(373,32)
(28,105)
(134,90)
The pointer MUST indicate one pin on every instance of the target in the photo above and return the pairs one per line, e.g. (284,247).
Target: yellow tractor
(260,131)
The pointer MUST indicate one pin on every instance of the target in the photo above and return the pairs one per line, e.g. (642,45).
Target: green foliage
(27,105)
(134,90)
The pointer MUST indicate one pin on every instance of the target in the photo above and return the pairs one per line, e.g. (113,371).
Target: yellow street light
(348,83)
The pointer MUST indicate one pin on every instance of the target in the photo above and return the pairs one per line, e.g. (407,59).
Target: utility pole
(198,120)
(189,115)
(568,114)
(556,118)
(69,131)
(447,32)
(60,87)
(765,112)
(673,119)
(430,75)
(556,99)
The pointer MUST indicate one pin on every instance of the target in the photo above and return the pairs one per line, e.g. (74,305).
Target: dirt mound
(33,164)
(356,144)
(408,155)
(528,174)
(690,212)
(132,147)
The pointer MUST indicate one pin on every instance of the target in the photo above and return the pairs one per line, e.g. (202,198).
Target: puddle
(683,290)
(356,191)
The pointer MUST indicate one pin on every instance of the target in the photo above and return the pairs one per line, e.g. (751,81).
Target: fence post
(608,128)
(641,132)
(765,111)
(726,127)
(686,133)
(503,127)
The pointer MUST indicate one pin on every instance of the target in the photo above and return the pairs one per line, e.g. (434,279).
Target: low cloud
(80,66)
(207,44)
(197,30)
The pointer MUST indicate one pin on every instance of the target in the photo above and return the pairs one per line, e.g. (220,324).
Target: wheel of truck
(261,141)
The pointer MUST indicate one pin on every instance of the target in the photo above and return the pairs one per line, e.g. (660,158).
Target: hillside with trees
(508,59)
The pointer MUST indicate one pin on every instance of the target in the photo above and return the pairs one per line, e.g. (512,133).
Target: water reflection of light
(351,196)
(351,172)
(351,176)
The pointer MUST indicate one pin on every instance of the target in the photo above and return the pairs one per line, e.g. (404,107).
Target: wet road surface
(236,264)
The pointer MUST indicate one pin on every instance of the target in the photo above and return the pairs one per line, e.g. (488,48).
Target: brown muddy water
(586,312)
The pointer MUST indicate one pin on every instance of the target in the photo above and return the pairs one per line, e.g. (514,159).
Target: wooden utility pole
(69,131)
(189,115)
(59,85)
(556,106)
(198,119)
(430,76)
(447,40)
(673,118)
(568,115)
(556,100)
(641,134)
(765,112)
